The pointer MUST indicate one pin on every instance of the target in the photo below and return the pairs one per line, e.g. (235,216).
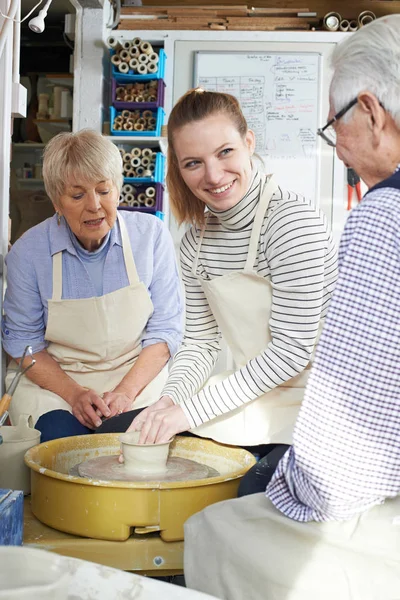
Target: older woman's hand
(160,422)
(88,407)
(117,402)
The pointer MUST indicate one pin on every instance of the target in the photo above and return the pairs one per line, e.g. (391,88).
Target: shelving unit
(134,198)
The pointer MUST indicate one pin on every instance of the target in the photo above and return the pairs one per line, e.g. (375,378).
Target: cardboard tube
(152,168)
(139,99)
(146,48)
(136,41)
(153,57)
(113,43)
(134,51)
(150,202)
(123,67)
(129,198)
(147,173)
(127,127)
(135,162)
(145,161)
(142,198)
(152,67)
(134,63)
(366,17)
(353,25)
(147,152)
(344,25)
(135,204)
(127,188)
(124,56)
(331,21)
(126,45)
(150,192)
(143,59)
(138,127)
(140,171)
(115,59)
(136,152)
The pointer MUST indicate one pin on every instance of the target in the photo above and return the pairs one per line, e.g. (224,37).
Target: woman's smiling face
(215,160)
(90,210)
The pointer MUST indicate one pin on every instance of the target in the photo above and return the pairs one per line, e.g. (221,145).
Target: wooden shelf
(28,146)
(150,141)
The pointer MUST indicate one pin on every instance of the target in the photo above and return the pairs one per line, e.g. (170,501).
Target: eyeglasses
(328,132)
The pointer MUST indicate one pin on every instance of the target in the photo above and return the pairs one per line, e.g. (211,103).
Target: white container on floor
(14,474)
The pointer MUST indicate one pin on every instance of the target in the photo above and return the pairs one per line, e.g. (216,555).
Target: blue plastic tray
(131,76)
(158,176)
(159,114)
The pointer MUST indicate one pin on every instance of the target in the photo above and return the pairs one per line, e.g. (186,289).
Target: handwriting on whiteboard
(279,98)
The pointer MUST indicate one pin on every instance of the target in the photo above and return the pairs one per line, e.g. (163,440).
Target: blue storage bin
(131,76)
(159,115)
(158,176)
(160,215)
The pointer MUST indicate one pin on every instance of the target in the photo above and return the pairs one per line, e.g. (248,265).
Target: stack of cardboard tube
(137,92)
(137,56)
(135,120)
(138,162)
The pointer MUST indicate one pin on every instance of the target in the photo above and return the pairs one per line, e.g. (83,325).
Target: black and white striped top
(297,253)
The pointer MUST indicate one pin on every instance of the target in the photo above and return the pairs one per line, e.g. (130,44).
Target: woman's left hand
(117,402)
(161,425)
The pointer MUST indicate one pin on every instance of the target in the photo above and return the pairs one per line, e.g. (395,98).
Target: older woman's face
(214,160)
(90,209)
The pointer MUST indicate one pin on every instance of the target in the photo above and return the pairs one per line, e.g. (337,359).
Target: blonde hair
(85,155)
(195,105)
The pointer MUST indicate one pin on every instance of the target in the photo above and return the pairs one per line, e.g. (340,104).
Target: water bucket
(14,474)
(32,574)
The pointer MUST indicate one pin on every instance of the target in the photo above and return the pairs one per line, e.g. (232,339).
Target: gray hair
(369,61)
(85,155)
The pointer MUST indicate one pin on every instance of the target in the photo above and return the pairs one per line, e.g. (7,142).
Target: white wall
(6,79)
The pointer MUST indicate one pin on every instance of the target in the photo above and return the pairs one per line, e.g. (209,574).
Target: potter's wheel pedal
(108,468)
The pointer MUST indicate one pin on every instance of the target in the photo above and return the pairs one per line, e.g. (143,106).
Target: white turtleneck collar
(241,215)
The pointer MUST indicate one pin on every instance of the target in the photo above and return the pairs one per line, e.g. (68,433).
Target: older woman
(94,291)
(259,268)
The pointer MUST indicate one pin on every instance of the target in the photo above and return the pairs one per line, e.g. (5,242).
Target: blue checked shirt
(345,456)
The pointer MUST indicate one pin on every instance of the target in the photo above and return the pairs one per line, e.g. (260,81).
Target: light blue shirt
(30,276)
(94,261)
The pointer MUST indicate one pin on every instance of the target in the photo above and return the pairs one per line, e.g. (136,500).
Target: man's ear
(372,109)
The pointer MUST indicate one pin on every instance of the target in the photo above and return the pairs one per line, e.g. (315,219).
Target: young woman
(259,266)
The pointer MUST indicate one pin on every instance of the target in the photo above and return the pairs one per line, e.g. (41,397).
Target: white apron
(96,341)
(247,549)
(241,304)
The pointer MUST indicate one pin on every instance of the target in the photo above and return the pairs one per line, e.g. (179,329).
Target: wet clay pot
(143,458)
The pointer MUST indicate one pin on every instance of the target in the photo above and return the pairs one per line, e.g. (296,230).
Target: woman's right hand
(88,407)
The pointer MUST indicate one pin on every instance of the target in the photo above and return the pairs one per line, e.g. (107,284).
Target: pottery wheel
(110,469)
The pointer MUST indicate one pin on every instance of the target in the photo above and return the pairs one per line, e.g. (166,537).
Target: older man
(331,527)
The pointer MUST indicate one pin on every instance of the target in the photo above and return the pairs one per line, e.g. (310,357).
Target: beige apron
(241,304)
(96,341)
(246,549)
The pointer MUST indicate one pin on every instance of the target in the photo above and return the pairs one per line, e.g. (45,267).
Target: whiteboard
(279,94)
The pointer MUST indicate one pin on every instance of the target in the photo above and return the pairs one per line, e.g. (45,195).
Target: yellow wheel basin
(113,510)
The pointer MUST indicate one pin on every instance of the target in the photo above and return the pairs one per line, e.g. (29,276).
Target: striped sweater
(297,254)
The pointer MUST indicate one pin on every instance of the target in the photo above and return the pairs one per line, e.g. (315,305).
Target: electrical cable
(26,16)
